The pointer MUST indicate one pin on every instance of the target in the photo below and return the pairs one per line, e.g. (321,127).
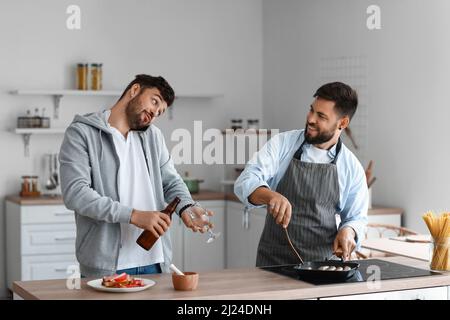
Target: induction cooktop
(367,270)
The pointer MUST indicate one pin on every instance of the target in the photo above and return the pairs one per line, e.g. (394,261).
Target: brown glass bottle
(146,240)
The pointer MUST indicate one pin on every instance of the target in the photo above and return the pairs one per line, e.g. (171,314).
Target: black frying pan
(310,270)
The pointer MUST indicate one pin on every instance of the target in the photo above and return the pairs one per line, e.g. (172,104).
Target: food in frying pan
(332,268)
(122,280)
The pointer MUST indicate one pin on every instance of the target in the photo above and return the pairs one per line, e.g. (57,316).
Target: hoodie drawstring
(101,144)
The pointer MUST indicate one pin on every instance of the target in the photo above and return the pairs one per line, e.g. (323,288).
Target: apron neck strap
(338,150)
(298,153)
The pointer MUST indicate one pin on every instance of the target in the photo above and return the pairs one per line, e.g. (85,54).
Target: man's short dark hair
(345,98)
(147,82)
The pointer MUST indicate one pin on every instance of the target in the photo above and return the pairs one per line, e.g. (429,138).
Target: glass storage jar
(439,254)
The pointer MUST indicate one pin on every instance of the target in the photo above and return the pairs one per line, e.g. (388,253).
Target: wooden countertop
(33,201)
(415,250)
(204,195)
(377,210)
(236,284)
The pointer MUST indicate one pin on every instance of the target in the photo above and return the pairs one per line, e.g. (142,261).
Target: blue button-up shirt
(268,166)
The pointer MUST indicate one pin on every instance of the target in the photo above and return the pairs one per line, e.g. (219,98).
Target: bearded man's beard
(321,137)
(134,116)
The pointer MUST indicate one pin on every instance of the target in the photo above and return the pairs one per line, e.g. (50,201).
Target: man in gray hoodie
(117,174)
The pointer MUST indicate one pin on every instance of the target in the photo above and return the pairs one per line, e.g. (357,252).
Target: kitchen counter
(247,284)
(32,201)
(204,195)
(415,250)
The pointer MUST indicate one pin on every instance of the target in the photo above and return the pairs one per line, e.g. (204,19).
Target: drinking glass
(202,219)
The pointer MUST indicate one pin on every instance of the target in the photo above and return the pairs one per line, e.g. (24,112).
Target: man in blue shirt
(306,178)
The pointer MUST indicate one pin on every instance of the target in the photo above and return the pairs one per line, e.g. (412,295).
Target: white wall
(408,82)
(199,46)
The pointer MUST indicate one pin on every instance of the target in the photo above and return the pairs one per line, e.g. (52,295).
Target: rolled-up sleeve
(354,212)
(258,171)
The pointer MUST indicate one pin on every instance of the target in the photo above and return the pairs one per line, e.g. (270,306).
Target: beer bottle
(146,240)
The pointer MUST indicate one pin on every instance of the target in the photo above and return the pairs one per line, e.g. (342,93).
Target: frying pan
(310,269)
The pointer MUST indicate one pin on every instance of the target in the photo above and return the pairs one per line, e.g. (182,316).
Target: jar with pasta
(439,254)
(439,227)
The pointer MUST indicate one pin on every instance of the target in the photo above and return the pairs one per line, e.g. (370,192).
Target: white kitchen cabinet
(39,267)
(191,252)
(238,237)
(46,214)
(391,219)
(48,239)
(200,255)
(176,234)
(243,237)
(257,220)
(40,242)
(436,293)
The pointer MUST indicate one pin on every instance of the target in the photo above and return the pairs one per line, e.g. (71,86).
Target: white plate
(97,285)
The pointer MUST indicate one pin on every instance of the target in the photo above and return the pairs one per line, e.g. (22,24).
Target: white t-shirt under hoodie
(136,191)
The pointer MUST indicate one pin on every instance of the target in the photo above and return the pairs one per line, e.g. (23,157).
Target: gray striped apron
(313,191)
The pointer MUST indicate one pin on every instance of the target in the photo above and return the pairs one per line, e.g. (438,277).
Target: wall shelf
(66,92)
(38,130)
(247,131)
(27,132)
(199,96)
(58,94)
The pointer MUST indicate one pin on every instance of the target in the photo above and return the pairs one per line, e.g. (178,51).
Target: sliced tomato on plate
(122,280)
(139,282)
(120,277)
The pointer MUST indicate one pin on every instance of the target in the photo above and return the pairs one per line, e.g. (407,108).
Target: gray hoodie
(89,168)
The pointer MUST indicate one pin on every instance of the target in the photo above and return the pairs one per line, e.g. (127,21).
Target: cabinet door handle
(60,270)
(65,213)
(64,238)
(245,219)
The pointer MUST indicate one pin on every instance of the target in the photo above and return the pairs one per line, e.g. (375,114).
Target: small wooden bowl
(188,282)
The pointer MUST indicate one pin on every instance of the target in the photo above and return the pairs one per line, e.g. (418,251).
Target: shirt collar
(331,153)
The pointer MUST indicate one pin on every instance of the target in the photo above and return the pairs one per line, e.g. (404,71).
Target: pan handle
(338,254)
(334,255)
